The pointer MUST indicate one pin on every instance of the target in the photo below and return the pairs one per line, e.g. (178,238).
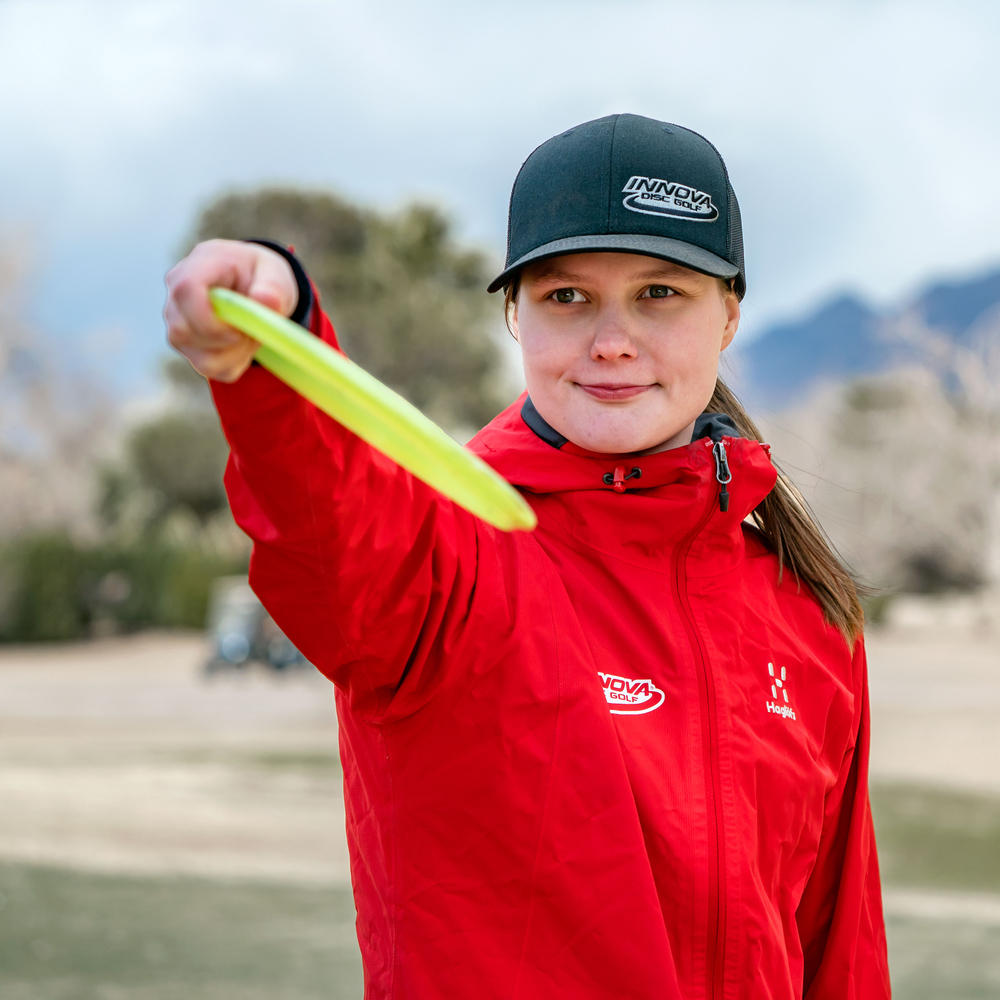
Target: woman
(625,755)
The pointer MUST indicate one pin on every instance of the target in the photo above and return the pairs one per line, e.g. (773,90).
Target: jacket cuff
(303,308)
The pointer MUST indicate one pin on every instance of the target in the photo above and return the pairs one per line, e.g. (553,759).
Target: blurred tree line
(106,529)
(408,302)
(903,468)
(145,529)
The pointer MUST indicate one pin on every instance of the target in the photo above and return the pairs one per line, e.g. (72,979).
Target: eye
(657,292)
(567,295)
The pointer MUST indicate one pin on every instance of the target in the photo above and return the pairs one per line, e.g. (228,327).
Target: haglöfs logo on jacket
(628,696)
(779,693)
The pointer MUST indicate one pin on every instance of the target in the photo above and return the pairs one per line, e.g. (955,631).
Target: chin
(609,444)
(646,446)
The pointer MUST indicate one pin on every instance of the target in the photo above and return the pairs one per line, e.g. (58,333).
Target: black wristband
(303,307)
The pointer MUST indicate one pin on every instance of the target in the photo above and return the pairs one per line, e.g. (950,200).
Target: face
(621,351)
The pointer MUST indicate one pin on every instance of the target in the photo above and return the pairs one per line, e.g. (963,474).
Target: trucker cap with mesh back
(630,184)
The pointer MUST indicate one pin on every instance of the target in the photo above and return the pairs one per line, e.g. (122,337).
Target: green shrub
(54,588)
(44,589)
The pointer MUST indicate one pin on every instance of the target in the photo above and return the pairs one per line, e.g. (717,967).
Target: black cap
(629,184)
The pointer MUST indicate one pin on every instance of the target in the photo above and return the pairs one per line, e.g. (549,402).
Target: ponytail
(792,533)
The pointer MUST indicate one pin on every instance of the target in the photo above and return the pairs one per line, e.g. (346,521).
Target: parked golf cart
(242,632)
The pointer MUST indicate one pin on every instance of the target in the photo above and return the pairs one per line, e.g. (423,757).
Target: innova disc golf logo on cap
(653,196)
(628,696)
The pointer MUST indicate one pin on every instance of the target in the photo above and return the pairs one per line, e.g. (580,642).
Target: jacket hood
(531,455)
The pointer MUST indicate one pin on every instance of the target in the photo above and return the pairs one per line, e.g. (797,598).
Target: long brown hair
(783,517)
(791,531)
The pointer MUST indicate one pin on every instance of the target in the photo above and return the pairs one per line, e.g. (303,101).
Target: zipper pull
(616,480)
(722,473)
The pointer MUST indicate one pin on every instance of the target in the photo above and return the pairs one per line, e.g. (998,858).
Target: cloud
(859,135)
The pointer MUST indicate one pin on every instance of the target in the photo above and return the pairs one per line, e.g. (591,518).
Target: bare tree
(903,468)
(968,372)
(54,422)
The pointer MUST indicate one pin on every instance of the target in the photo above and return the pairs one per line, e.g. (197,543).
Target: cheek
(689,353)
(542,378)
(534,365)
(690,368)
(702,337)
(705,370)
(541,353)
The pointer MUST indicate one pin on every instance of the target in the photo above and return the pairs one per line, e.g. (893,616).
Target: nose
(612,339)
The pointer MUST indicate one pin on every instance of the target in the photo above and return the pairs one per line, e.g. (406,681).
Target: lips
(610,391)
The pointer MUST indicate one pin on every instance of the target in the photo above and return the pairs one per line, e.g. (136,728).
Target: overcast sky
(862,138)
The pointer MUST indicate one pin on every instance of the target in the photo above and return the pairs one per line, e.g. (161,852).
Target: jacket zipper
(723,474)
(715,950)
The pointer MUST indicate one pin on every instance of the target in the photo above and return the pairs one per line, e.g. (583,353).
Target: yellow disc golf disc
(374,412)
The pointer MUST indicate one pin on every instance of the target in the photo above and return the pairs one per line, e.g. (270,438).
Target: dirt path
(119,755)
(935,700)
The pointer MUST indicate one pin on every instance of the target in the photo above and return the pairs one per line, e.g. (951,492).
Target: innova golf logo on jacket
(628,696)
(653,196)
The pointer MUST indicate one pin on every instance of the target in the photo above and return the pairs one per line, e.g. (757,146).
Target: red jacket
(613,758)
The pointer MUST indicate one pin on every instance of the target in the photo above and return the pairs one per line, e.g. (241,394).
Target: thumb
(273,284)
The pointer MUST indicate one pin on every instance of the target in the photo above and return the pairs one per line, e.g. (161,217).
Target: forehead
(589,266)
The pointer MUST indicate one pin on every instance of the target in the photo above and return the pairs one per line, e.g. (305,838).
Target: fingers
(188,326)
(224,358)
(190,319)
(213,348)
(225,365)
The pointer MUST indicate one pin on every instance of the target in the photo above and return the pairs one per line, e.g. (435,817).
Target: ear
(512,320)
(732,306)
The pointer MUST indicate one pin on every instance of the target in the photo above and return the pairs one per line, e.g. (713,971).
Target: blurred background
(171,821)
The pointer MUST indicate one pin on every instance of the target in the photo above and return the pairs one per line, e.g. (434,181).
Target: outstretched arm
(364,567)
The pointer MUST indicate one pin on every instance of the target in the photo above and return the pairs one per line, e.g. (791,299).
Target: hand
(214,349)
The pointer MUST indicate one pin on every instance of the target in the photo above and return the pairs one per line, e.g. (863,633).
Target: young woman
(624,755)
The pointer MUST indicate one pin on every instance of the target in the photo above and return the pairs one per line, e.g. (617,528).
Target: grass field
(165,838)
(72,935)
(938,852)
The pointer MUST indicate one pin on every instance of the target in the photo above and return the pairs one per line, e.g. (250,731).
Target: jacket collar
(533,456)
(710,425)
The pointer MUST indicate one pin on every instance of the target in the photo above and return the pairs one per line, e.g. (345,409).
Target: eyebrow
(556,274)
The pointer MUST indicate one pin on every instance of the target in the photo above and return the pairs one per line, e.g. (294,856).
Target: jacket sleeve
(365,568)
(840,914)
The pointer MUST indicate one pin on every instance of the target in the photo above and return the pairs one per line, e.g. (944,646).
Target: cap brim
(676,251)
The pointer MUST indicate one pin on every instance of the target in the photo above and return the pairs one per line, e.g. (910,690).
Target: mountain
(846,338)
(957,307)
